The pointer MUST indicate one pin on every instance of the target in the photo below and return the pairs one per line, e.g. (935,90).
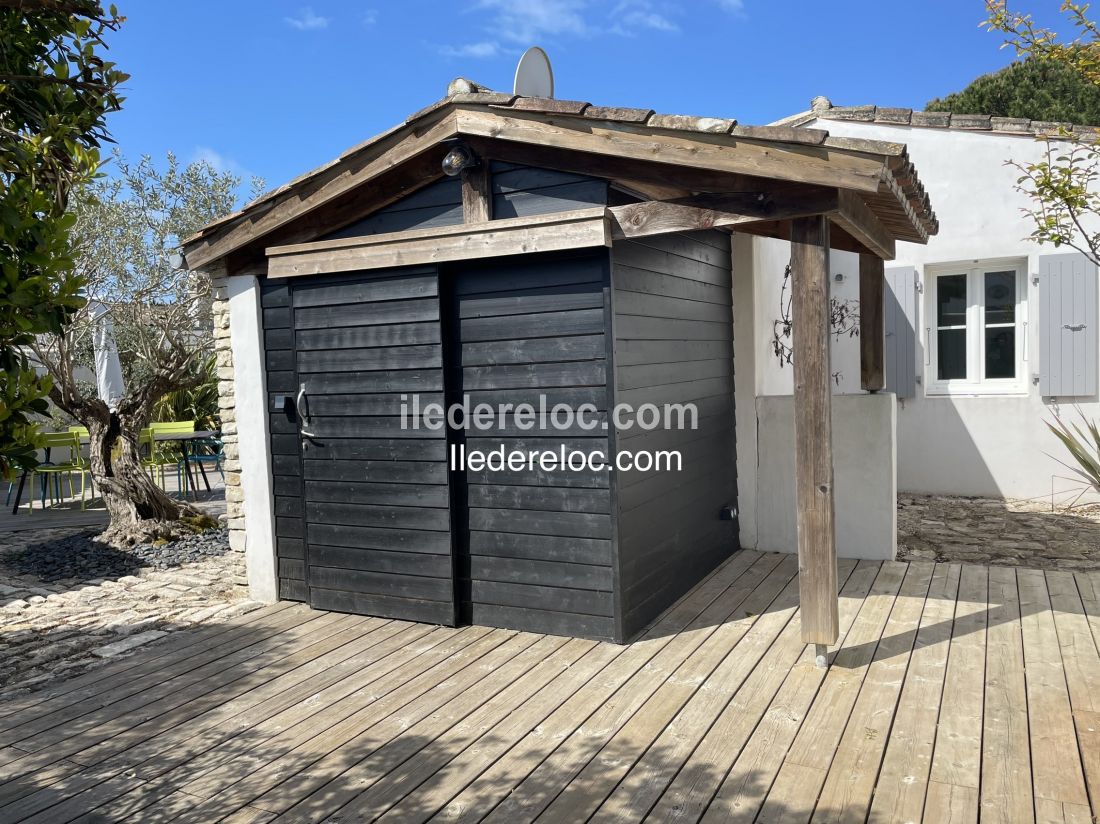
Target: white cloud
(483,50)
(370,17)
(307,20)
(513,25)
(631,16)
(220,162)
(732,6)
(526,21)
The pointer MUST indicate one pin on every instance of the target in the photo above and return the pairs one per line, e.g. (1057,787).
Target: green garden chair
(60,467)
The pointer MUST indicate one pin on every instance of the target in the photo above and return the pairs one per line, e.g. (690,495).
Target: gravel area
(81,556)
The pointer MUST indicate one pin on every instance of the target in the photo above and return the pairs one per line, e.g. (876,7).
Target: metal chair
(60,471)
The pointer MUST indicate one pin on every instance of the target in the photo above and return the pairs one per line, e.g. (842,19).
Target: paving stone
(1000,532)
(57,628)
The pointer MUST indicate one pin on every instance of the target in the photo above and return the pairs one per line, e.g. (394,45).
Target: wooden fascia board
(580,229)
(856,218)
(357,171)
(723,153)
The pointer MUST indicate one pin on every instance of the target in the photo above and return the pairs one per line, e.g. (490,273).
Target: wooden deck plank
(498,723)
(850,780)
(794,793)
(1006,752)
(91,727)
(939,706)
(903,779)
(347,771)
(571,753)
(686,798)
(1055,764)
(552,782)
(302,752)
(647,780)
(41,732)
(419,668)
(362,653)
(492,785)
(1088,587)
(955,775)
(743,790)
(117,741)
(177,647)
(1082,666)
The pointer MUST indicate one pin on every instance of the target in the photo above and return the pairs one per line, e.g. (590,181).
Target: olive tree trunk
(140,511)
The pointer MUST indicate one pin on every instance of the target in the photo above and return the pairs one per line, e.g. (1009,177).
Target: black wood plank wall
(522,191)
(285,464)
(536,550)
(674,344)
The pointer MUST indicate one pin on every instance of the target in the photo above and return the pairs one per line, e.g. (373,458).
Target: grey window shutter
(901,331)
(1067,325)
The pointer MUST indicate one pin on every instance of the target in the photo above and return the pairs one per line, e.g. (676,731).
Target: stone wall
(227,404)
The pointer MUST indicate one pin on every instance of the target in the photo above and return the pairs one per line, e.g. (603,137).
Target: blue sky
(278,87)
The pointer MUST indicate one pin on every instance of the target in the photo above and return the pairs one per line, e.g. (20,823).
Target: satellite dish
(534,77)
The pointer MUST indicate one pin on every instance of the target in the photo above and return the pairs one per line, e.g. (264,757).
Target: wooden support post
(872,325)
(477,194)
(817,577)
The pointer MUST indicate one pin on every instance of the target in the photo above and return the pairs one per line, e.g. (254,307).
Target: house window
(977,343)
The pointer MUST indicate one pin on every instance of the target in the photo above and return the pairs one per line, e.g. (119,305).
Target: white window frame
(974,383)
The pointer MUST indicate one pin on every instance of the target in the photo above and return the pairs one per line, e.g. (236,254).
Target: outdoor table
(185,439)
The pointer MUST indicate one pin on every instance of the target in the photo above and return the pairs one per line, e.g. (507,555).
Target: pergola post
(477,194)
(817,576)
(872,326)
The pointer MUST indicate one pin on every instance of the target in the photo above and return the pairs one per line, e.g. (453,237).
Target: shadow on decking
(133,746)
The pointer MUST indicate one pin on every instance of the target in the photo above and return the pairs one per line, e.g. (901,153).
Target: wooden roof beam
(656,217)
(404,145)
(722,153)
(856,218)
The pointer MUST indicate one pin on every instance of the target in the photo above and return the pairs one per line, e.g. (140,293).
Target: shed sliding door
(376,496)
(534,546)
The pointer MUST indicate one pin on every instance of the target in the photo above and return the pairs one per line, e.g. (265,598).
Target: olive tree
(128,228)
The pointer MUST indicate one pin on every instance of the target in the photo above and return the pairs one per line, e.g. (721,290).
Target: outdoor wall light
(458,158)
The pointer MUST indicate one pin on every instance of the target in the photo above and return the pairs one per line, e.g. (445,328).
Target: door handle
(1077,327)
(303,413)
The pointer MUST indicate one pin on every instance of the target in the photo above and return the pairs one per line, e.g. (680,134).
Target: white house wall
(964,445)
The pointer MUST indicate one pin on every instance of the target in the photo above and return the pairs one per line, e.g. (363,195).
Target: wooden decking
(957,693)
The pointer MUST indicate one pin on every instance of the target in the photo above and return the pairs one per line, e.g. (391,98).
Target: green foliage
(1083,445)
(198,403)
(55,93)
(1062,185)
(1035,88)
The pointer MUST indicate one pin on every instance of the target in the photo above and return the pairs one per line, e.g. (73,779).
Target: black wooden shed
(582,257)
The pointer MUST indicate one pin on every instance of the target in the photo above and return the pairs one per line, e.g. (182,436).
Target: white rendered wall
(745,388)
(963,445)
(246,335)
(863,476)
